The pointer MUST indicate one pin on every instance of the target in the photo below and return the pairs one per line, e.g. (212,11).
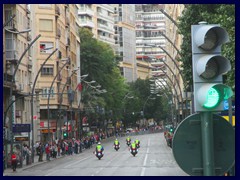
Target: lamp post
(172,86)
(61,94)
(67,62)
(11,88)
(180,72)
(128,97)
(149,97)
(33,90)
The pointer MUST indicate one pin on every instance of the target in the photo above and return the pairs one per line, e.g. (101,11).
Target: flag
(80,87)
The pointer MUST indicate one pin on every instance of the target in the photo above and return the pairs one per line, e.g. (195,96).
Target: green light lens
(213,98)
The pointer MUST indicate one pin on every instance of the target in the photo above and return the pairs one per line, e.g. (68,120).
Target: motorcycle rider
(133,146)
(137,142)
(116,142)
(99,147)
(128,139)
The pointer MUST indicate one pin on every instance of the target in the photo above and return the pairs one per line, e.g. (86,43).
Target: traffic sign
(187,145)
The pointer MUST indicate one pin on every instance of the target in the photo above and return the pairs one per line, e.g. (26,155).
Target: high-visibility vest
(99,147)
(133,145)
(116,142)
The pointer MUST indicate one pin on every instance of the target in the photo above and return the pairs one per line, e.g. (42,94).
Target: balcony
(105,16)
(85,11)
(87,23)
(105,28)
(106,39)
(12,55)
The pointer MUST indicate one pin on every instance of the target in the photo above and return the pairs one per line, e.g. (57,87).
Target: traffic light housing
(64,134)
(209,66)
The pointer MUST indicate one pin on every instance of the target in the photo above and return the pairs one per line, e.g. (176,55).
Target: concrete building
(150,22)
(173,46)
(16,87)
(125,39)
(57,24)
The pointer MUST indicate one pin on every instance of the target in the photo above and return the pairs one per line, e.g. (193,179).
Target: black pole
(11,88)
(50,94)
(33,89)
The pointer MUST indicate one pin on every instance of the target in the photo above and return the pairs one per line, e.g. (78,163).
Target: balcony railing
(12,55)
(87,11)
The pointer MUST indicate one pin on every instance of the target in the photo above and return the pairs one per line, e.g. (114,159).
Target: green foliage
(223,14)
(98,61)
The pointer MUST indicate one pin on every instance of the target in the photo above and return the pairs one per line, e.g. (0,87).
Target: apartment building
(125,39)
(16,39)
(173,45)
(150,23)
(58,26)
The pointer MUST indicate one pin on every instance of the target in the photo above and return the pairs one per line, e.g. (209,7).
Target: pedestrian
(59,148)
(47,150)
(14,161)
(40,153)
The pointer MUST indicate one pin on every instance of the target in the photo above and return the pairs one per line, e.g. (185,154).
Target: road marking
(145,159)
(77,162)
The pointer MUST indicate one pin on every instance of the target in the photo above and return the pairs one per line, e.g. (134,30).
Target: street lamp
(67,62)
(33,89)
(149,97)
(61,96)
(11,88)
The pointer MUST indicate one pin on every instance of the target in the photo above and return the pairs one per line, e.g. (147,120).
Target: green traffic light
(213,97)
(65,134)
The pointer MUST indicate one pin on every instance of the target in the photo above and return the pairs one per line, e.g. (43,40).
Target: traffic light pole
(207,143)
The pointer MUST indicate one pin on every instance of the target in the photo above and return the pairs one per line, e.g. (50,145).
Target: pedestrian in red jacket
(14,161)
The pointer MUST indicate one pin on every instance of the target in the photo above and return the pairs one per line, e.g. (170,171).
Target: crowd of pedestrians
(62,147)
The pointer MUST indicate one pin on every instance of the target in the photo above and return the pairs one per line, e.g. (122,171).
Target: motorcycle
(128,143)
(134,151)
(99,154)
(116,147)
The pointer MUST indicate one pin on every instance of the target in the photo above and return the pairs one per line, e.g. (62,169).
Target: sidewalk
(9,171)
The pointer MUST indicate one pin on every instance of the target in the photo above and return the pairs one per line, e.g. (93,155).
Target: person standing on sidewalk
(47,150)
(40,151)
(14,161)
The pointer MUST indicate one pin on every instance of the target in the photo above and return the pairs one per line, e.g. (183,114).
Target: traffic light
(171,129)
(64,134)
(209,66)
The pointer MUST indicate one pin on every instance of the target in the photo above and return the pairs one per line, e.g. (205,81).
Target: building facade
(57,24)
(150,22)
(125,39)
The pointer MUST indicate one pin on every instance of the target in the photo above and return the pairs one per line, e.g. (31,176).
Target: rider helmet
(99,143)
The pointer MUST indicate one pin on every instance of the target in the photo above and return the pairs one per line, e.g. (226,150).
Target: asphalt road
(154,158)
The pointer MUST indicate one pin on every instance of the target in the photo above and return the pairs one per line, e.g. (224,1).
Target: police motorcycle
(133,150)
(128,142)
(137,144)
(116,146)
(99,152)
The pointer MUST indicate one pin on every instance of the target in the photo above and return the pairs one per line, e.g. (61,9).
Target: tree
(98,61)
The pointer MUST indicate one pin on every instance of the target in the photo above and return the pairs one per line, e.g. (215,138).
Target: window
(47,70)
(45,25)
(46,91)
(46,47)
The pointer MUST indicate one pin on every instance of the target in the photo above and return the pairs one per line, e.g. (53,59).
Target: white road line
(77,162)
(145,159)
(67,166)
